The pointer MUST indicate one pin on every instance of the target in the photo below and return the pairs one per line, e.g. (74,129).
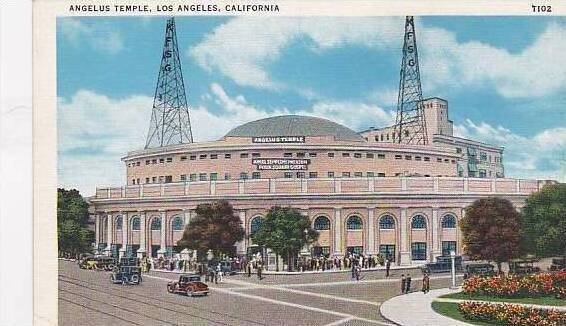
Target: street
(88,298)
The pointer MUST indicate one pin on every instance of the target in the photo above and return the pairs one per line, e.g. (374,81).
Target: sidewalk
(414,309)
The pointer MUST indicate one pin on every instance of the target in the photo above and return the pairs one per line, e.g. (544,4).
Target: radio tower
(410,124)
(170,122)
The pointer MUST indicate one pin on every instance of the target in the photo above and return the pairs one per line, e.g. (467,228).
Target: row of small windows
(177,223)
(426,158)
(354,222)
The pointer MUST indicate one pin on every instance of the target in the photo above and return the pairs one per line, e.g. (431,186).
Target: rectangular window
(227,176)
(256,175)
(133,181)
(318,251)
(482,173)
(202,177)
(287,154)
(168,178)
(244,155)
(214,176)
(313,175)
(387,251)
(146,180)
(369,155)
(228,156)
(381,174)
(312,154)
(300,154)
(213,156)
(458,150)
(438,159)
(358,155)
(483,156)
(137,163)
(193,157)
(358,174)
(202,156)
(256,154)
(345,174)
(154,161)
(161,160)
(446,160)
(147,162)
(161,179)
(408,157)
(193,177)
(330,174)
(417,158)
(380,156)
(288,175)
(370,174)
(300,175)
(398,157)
(169,159)
(183,158)
(345,154)
(418,251)
(453,161)
(427,159)
(243,176)
(330,154)
(448,246)
(183,177)
(154,179)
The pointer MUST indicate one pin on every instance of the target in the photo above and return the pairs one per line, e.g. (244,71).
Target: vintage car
(126,275)
(443,264)
(189,284)
(129,261)
(557,264)
(480,269)
(97,263)
(227,268)
(523,266)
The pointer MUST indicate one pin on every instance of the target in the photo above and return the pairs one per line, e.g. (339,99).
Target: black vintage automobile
(443,264)
(480,269)
(126,275)
(523,266)
(557,264)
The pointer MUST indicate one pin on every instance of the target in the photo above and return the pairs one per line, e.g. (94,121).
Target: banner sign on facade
(280,164)
(279,139)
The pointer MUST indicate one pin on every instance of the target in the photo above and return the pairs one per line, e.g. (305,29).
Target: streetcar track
(99,311)
(156,305)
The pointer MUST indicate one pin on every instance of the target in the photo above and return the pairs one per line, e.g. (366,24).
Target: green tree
(285,231)
(215,227)
(72,217)
(544,221)
(491,230)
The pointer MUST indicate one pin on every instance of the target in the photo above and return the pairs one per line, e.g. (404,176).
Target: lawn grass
(450,309)
(544,300)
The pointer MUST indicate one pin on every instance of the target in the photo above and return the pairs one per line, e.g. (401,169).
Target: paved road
(88,298)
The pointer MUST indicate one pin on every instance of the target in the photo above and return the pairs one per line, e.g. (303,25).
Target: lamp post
(452,259)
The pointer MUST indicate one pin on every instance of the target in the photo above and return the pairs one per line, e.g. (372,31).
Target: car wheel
(135,279)
(190,293)
(170,288)
(124,280)
(112,278)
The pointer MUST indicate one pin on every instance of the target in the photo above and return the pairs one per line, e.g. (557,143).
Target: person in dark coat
(387,267)
(408,283)
(426,283)
(403,283)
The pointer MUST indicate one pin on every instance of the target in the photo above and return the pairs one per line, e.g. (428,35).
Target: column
(143,234)
(187,214)
(459,250)
(161,252)
(338,231)
(405,254)
(97,235)
(370,241)
(124,234)
(435,235)
(241,247)
(109,220)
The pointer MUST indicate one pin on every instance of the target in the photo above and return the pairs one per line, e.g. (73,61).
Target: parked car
(480,269)
(129,261)
(126,275)
(557,264)
(443,264)
(97,263)
(227,268)
(189,284)
(523,266)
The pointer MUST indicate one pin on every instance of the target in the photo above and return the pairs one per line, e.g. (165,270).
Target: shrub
(510,314)
(518,286)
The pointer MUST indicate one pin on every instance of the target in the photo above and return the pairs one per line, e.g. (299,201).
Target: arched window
(135,223)
(119,223)
(354,223)
(448,221)
(386,222)
(322,223)
(177,223)
(255,224)
(156,224)
(418,222)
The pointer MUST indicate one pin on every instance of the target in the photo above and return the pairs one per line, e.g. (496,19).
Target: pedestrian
(219,272)
(408,283)
(249,268)
(426,283)
(387,267)
(353,271)
(358,273)
(403,283)
(259,267)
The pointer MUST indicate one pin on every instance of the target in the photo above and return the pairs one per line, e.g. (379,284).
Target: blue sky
(504,78)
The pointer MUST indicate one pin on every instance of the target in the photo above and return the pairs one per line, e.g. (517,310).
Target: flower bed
(509,314)
(518,286)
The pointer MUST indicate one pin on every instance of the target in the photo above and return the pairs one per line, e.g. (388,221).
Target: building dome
(295,125)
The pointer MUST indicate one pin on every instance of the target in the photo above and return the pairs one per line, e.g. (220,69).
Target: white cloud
(540,156)
(244,47)
(100,36)
(95,131)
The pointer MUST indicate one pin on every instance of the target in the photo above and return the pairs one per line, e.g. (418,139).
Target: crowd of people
(349,261)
